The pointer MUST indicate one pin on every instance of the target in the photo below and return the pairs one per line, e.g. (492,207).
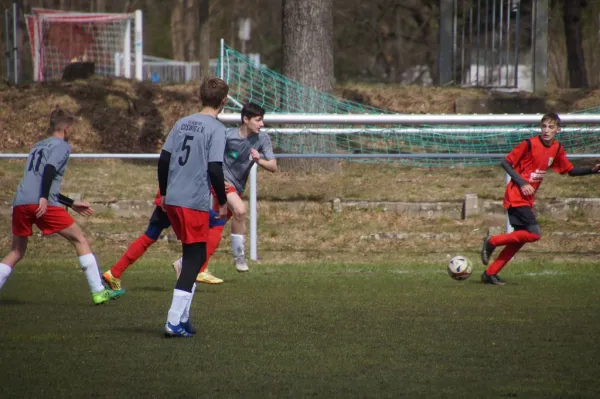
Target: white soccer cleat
(241,265)
(177,267)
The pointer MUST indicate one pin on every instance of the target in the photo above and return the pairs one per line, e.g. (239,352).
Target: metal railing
(298,119)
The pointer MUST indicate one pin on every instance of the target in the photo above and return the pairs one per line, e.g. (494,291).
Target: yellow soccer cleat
(207,278)
(113,282)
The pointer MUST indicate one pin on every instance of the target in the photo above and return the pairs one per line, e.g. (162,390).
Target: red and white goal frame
(113,42)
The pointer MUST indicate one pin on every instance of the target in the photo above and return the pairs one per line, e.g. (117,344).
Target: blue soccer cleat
(187,326)
(177,331)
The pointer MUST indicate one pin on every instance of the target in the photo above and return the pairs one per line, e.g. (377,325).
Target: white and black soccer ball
(460,268)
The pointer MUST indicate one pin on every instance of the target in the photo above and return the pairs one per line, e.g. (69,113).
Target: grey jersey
(238,162)
(51,151)
(193,142)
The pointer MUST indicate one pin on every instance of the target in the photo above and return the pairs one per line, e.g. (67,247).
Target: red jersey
(531,162)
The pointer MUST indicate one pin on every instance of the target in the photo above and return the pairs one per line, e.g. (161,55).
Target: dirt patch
(442,100)
(114,115)
(117,115)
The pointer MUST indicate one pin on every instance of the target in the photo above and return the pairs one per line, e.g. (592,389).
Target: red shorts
(189,225)
(54,220)
(228,190)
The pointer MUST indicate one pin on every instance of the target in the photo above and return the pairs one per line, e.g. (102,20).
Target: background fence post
(15,42)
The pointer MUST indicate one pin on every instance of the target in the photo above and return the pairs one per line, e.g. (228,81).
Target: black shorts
(521,217)
(160,219)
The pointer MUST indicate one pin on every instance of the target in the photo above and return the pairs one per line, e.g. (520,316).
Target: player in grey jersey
(244,147)
(38,201)
(190,163)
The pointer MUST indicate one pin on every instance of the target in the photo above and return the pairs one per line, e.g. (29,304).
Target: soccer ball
(460,268)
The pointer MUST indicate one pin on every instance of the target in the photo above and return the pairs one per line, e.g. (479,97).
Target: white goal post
(59,38)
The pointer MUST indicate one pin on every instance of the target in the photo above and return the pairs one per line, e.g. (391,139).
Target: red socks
(135,250)
(516,237)
(505,255)
(513,242)
(214,238)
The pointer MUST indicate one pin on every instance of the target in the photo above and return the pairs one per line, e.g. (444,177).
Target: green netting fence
(279,94)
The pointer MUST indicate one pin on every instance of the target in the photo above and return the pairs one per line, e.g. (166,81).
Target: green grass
(111,180)
(391,329)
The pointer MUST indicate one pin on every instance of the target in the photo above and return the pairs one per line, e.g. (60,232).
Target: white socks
(181,301)
(186,313)
(237,245)
(92,274)
(5,271)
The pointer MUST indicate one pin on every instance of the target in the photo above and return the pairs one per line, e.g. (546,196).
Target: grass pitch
(310,330)
(328,312)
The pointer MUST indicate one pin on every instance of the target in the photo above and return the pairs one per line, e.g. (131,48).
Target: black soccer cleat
(487,249)
(491,279)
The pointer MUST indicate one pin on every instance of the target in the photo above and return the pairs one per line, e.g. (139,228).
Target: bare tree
(308,42)
(575,56)
(204,39)
(100,6)
(176,30)
(184,28)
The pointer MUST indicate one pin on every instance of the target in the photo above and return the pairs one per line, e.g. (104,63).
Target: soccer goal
(59,39)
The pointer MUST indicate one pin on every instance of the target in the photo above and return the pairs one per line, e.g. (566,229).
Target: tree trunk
(308,42)
(177,26)
(190,30)
(100,5)
(204,39)
(308,58)
(574,40)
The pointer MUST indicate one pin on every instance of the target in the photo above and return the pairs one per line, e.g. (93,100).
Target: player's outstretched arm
(584,171)
(83,208)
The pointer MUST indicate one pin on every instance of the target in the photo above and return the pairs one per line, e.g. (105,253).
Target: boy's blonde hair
(59,119)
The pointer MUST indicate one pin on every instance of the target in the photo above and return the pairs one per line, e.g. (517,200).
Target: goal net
(112,42)
(277,93)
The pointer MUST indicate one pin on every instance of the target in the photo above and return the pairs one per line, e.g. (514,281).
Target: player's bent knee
(239,214)
(535,232)
(79,240)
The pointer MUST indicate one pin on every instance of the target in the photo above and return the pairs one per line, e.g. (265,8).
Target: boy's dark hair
(212,92)
(251,110)
(59,119)
(551,117)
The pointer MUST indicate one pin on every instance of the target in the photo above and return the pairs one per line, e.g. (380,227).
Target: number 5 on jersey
(185,147)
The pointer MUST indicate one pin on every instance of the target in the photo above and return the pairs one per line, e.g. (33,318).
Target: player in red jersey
(527,165)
